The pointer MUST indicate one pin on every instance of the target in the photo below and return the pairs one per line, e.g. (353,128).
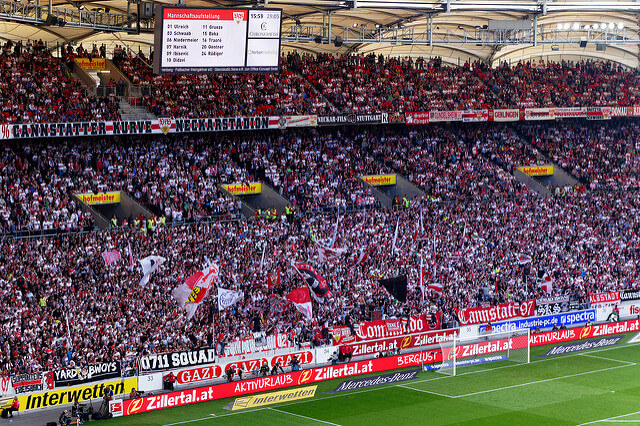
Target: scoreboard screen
(203,41)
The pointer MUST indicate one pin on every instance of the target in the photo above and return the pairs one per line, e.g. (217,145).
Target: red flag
(547,283)
(437,287)
(191,293)
(274,279)
(302,300)
(111,257)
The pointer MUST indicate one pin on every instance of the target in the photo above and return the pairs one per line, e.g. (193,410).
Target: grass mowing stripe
(542,381)
(304,417)
(608,359)
(611,418)
(425,391)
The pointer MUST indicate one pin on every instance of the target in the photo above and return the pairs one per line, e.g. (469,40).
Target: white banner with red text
(493,313)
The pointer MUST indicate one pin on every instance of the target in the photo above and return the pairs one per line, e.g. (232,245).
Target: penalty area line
(613,419)
(541,381)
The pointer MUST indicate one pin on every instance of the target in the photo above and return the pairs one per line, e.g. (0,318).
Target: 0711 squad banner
(160,362)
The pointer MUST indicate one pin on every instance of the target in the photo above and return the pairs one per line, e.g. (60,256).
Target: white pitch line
(214,415)
(413,381)
(541,381)
(425,391)
(608,359)
(304,417)
(610,418)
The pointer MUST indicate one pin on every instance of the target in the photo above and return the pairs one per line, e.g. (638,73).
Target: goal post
(509,346)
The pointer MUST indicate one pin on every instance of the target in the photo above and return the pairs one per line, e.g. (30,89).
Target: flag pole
(214,340)
(395,237)
(68,331)
(264,249)
(335,230)
(421,276)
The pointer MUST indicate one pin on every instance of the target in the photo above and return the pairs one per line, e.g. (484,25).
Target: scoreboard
(203,40)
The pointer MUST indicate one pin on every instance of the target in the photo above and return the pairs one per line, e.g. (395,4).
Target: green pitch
(600,386)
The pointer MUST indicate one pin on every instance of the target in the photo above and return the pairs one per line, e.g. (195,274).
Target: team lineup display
(200,40)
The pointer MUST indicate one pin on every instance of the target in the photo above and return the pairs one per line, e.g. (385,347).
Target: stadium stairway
(318,92)
(132,112)
(559,177)
(266,199)
(402,188)
(126,208)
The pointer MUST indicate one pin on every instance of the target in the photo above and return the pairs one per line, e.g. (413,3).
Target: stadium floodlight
(620,25)
(603,26)
(566,25)
(558,27)
(576,26)
(611,25)
(510,346)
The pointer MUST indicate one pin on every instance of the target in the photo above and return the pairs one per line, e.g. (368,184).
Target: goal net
(510,346)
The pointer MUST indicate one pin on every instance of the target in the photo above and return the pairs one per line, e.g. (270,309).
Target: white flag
(149,266)
(228,298)
(329,254)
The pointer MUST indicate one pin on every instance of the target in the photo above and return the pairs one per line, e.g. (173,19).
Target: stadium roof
(456,30)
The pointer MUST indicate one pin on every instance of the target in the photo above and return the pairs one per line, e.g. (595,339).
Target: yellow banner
(91,64)
(273,398)
(100,198)
(379,180)
(537,170)
(80,393)
(243,188)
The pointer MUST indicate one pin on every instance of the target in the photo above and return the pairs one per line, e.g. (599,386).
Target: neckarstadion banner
(159,126)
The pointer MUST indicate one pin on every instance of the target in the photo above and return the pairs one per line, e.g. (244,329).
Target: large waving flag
(302,301)
(149,266)
(328,254)
(228,298)
(315,281)
(191,293)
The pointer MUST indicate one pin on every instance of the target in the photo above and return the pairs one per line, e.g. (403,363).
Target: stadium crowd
(62,306)
(602,156)
(36,87)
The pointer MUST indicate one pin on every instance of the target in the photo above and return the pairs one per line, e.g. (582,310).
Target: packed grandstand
(477,236)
